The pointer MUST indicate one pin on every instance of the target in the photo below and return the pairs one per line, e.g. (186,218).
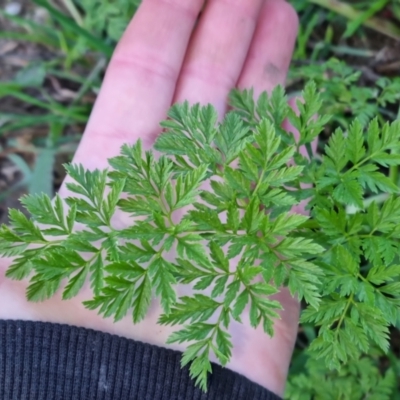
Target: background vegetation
(52,59)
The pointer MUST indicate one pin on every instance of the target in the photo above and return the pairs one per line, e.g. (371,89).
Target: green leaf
(283,175)
(224,346)
(112,198)
(161,174)
(307,121)
(355,149)
(249,167)
(336,150)
(333,223)
(198,308)
(243,102)
(143,231)
(78,242)
(187,122)
(206,220)
(192,351)
(142,300)
(349,191)
(216,211)
(232,137)
(135,253)
(253,216)
(24,227)
(97,275)
(233,218)
(287,222)
(304,280)
(380,274)
(58,262)
(71,218)
(220,285)
(205,282)
(298,245)
(376,182)
(162,280)
(11,245)
(75,284)
(230,294)
(20,268)
(199,369)
(235,249)
(218,257)
(240,304)
(59,209)
(43,211)
(266,138)
(276,105)
(41,289)
(188,185)
(374,326)
(196,331)
(187,272)
(236,181)
(188,247)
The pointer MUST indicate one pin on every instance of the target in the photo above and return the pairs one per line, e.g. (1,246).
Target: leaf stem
(309,150)
(394,171)
(366,159)
(73,11)
(342,317)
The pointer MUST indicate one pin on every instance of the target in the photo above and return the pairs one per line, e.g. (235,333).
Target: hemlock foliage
(214,212)
(357,379)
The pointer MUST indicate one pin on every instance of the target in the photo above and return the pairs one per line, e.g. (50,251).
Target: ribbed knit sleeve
(45,361)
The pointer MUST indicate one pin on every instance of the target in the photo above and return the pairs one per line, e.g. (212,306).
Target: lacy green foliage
(345,97)
(214,212)
(108,17)
(360,379)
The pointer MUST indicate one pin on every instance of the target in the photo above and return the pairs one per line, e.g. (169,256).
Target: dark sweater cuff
(45,361)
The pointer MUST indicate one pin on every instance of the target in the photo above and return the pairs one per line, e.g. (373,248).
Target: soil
(14,56)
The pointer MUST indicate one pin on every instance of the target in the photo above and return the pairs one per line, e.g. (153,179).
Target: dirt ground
(14,56)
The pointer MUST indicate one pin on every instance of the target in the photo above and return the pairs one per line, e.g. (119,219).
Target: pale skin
(165,57)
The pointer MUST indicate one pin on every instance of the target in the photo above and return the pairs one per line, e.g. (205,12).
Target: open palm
(168,55)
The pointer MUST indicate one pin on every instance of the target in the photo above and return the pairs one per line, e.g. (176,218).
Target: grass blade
(71,25)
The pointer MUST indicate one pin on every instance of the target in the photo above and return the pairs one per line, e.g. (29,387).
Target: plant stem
(349,301)
(70,6)
(345,50)
(310,224)
(309,150)
(394,171)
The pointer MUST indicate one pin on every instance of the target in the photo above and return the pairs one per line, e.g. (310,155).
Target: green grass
(86,34)
(336,42)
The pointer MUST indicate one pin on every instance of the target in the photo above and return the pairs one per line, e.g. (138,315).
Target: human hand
(159,61)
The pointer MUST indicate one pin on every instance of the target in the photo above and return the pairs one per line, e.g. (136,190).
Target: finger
(140,81)
(266,67)
(272,47)
(217,52)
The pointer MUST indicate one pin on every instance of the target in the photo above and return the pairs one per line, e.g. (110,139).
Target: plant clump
(215,211)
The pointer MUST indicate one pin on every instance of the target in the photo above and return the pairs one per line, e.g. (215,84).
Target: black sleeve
(45,361)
